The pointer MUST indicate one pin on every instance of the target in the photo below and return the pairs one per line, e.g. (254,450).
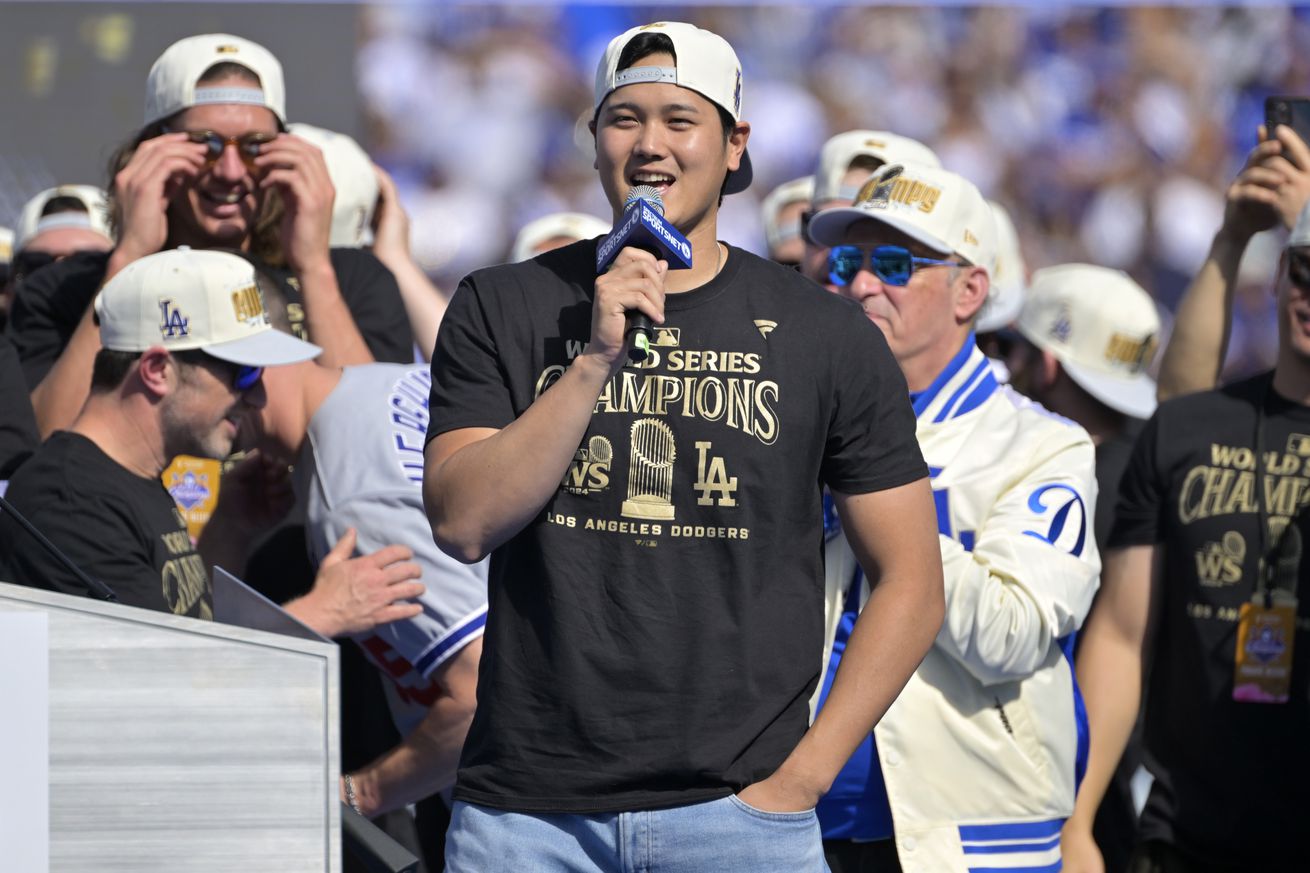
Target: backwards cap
(31,223)
(837,153)
(705,63)
(938,208)
(191,299)
(171,85)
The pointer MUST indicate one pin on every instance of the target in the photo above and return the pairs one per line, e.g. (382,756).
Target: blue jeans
(718,836)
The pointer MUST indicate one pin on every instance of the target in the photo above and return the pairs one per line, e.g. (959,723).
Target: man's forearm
(1110,678)
(892,634)
(424,303)
(422,764)
(1196,350)
(328,319)
(890,638)
(488,490)
(59,397)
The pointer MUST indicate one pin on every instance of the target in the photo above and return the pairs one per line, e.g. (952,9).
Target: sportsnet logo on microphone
(643,227)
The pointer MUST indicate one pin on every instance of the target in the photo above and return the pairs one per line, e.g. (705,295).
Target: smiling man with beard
(212,167)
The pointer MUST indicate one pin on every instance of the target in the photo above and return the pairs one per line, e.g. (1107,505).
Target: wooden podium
(185,746)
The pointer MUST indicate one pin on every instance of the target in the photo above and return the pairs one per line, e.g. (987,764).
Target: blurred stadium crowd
(1109,134)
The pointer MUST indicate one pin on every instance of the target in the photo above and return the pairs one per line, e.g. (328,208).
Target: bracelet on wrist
(351,797)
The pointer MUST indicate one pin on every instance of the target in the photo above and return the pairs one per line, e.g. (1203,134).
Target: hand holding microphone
(643,227)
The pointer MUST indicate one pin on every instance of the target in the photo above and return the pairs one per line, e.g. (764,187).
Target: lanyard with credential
(1266,628)
(1278,565)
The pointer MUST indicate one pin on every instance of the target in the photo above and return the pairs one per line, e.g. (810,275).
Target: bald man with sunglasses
(976,763)
(213,167)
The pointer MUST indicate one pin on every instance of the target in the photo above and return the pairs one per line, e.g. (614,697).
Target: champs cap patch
(248,306)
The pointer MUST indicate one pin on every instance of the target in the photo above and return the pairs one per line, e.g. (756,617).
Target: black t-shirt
(1112,456)
(118,527)
(655,633)
(18,434)
(50,303)
(1232,779)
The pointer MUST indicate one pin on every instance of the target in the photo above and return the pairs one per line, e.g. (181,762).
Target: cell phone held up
(1293,112)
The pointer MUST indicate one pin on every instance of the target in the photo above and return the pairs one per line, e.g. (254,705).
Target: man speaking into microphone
(655,623)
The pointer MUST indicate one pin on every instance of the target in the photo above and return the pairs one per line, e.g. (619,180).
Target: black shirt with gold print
(118,527)
(1232,775)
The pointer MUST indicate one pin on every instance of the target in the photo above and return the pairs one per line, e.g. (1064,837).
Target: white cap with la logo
(190,299)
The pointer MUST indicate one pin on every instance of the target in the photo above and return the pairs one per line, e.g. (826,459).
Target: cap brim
(268,348)
(740,179)
(1133,396)
(829,227)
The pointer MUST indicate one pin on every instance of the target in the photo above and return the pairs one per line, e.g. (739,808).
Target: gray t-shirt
(366,451)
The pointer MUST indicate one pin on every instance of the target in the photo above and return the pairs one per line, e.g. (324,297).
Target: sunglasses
(893,265)
(1298,268)
(248,145)
(242,377)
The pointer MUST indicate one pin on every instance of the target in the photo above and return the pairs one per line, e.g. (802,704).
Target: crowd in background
(1109,134)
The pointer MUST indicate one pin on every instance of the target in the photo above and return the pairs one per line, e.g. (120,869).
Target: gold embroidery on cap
(875,144)
(227,50)
(970,238)
(1133,353)
(247,305)
(892,186)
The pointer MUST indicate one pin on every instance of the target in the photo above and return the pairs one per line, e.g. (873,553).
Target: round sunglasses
(248,145)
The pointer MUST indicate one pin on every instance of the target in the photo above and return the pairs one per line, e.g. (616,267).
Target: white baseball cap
(796,191)
(1101,326)
(171,85)
(6,245)
(31,223)
(575,225)
(1006,291)
(837,153)
(351,171)
(705,63)
(186,298)
(938,208)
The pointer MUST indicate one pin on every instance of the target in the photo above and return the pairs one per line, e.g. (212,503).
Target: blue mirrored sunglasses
(246,377)
(891,264)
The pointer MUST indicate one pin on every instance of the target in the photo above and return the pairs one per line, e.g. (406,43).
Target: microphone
(643,227)
(95,588)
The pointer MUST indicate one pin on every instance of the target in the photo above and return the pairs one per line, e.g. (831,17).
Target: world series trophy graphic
(650,472)
(599,450)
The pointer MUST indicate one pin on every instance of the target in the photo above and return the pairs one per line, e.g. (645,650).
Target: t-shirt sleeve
(455,603)
(469,388)
(373,298)
(18,433)
(871,444)
(1137,514)
(46,309)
